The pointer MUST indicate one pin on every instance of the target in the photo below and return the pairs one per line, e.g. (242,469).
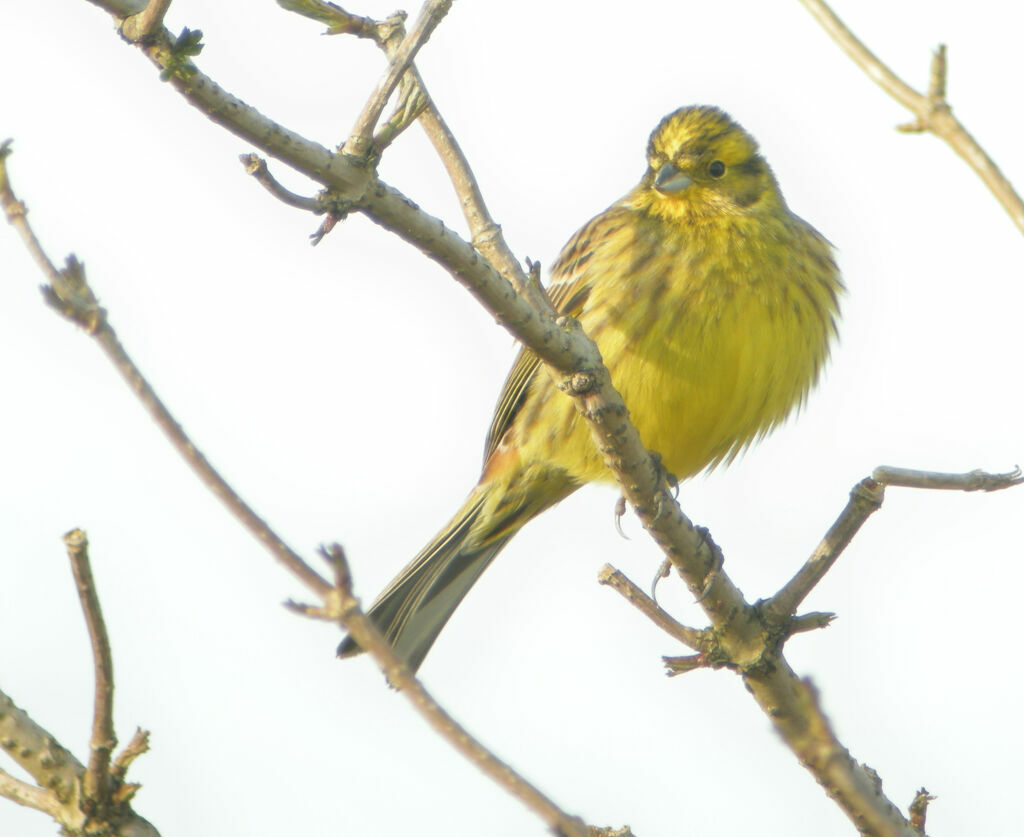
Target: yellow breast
(711,343)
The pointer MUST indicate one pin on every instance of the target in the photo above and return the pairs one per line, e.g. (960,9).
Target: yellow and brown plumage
(713,307)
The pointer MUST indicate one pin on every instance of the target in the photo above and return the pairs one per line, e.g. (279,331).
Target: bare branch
(793,706)
(60,777)
(813,621)
(937,79)
(135,748)
(433,11)
(121,8)
(28,795)
(970,481)
(684,664)
(339,21)
(344,607)
(50,765)
(611,577)
(96,782)
(257,167)
(932,111)
(147,23)
(865,499)
(70,293)
(486,234)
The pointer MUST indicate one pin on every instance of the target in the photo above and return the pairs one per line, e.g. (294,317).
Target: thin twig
(339,21)
(147,23)
(937,77)
(865,499)
(407,110)
(96,782)
(684,665)
(69,292)
(209,475)
(133,749)
(611,577)
(28,795)
(345,609)
(814,621)
(933,113)
(971,481)
(485,232)
(257,167)
(432,13)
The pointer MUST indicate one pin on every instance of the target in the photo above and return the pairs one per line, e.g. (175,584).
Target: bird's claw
(620,511)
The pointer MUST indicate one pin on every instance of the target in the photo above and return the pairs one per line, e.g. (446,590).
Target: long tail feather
(415,607)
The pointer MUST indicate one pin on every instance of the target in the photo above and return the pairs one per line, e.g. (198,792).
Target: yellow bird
(713,306)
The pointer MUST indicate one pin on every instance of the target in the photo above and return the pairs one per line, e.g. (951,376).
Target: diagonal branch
(793,705)
(611,577)
(432,13)
(342,606)
(69,292)
(485,233)
(28,795)
(865,499)
(932,111)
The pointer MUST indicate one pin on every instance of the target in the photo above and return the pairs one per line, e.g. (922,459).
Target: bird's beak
(670,180)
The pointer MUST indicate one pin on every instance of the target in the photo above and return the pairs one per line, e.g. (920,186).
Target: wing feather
(568,292)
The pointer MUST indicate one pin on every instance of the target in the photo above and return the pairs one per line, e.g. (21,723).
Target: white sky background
(345,391)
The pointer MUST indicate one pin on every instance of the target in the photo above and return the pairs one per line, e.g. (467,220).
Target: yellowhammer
(713,306)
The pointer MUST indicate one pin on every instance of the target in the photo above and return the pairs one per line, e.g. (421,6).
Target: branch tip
(919,809)
(976,480)
(674,666)
(932,112)
(811,622)
(257,167)
(690,637)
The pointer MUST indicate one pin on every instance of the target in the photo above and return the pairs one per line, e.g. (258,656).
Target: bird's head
(702,164)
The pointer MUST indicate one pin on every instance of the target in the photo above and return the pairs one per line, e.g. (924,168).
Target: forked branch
(82,800)
(932,112)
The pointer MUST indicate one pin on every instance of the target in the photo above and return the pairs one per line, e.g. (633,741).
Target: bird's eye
(716,169)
